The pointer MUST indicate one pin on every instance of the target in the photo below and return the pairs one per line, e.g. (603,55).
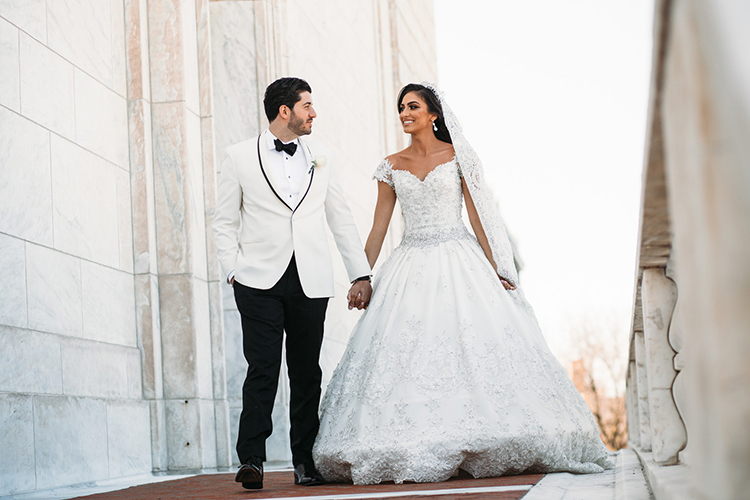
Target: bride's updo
(433,106)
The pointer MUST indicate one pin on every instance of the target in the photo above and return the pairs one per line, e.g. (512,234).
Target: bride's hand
(359,295)
(506,284)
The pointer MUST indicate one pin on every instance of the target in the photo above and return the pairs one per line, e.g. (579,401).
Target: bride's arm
(380,221)
(476,225)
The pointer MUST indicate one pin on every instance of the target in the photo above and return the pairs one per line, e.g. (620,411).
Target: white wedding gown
(446,369)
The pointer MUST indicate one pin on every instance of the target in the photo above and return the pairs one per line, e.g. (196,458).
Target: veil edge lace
(481,194)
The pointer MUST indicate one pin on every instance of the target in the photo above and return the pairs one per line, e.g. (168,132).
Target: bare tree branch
(599,374)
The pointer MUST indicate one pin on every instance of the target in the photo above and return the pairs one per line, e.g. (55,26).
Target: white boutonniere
(318,162)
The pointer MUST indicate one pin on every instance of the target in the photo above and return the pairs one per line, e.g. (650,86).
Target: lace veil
(481,194)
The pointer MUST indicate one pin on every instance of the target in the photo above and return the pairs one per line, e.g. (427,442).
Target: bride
(447,368)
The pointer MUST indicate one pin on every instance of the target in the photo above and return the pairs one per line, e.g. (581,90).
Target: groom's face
(301,118)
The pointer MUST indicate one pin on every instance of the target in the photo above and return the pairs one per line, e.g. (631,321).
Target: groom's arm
(227,216)
(341,222)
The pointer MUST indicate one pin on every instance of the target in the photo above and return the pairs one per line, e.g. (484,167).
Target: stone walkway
(625,482)
(278,485)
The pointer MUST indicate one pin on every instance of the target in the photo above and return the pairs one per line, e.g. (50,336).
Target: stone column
(144,229)
(644,419)
(181,142)
(659,295)
(680,387)
(218,364)
(631,398)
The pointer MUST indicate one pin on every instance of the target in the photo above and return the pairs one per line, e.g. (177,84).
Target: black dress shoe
(250,474)
(307,475)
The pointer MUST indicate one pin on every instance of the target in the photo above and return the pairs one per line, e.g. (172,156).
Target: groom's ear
(284,112)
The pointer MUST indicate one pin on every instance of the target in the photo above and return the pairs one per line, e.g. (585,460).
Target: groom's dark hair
(283,92)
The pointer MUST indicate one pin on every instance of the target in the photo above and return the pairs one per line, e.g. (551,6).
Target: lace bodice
(432,207)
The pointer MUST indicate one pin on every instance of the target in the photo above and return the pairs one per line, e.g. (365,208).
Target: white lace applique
(383,172)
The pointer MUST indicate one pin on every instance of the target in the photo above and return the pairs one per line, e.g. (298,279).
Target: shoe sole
(314,482)
(250,479)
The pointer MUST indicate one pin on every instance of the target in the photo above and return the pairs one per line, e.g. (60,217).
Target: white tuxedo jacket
(257,232)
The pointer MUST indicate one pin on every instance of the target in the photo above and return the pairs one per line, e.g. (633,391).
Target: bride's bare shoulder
(447,151)
(396,159)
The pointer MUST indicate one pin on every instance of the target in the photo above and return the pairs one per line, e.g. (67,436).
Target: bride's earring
(434,126)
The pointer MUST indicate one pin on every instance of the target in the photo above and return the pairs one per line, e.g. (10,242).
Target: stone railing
(655,424)
(656,430)
(688,401)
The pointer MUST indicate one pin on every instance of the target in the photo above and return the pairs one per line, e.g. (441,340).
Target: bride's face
(414,114)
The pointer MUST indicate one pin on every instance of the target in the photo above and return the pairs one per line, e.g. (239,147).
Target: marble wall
(120,346)
(71,407)
(356,57)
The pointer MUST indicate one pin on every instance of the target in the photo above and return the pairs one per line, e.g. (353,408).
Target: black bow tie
(287,148)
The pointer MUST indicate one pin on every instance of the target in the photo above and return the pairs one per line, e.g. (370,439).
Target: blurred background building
(120,346)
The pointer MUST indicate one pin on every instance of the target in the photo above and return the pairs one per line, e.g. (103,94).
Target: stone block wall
(71,407)
(120,345)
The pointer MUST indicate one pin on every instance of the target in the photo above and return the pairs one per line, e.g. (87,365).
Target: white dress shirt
(288,171)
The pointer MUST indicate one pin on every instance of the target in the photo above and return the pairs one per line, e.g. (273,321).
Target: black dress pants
(266,315)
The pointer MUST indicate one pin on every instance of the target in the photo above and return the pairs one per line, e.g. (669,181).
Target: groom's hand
(359,295)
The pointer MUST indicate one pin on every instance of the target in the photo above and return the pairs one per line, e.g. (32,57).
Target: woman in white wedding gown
(447,368)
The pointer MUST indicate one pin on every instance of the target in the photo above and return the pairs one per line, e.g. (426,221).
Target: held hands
(359,295)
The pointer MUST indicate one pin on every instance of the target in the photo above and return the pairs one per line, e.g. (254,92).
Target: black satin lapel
(263,170)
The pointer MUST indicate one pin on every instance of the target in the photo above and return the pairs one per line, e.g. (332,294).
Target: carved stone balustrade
(688,402)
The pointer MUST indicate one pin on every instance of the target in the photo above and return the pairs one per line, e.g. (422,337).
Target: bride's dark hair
(433,106)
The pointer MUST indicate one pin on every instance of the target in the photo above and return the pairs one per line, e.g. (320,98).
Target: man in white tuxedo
(274,192)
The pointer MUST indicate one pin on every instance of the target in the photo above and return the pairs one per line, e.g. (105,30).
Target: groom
(273,193)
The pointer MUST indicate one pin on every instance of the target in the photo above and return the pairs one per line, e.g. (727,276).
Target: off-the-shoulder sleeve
(383,172)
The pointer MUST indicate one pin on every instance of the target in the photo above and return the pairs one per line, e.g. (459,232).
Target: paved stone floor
(625,482)
(280,485)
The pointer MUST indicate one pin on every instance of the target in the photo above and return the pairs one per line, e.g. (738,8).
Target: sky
(553,95)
